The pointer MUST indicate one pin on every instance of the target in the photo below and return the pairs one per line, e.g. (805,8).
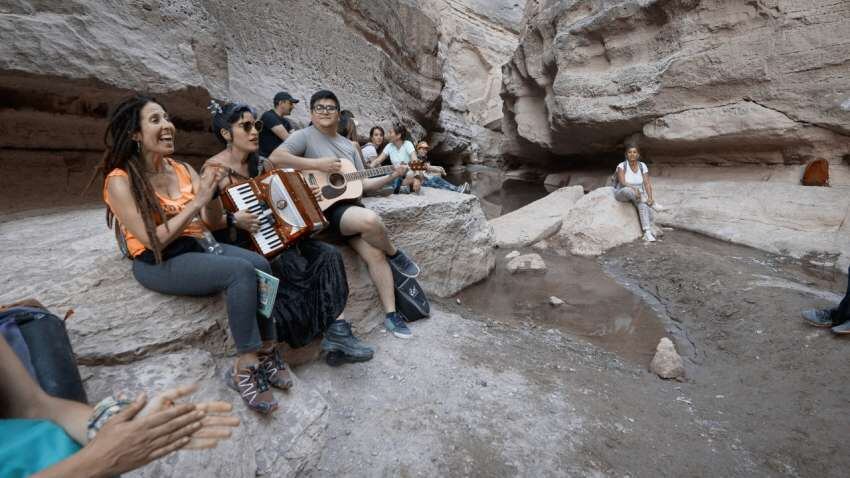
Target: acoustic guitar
(348,182)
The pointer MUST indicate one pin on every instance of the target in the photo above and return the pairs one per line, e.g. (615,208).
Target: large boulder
(70,261)
(286,444)
(596,223)
(710,82)
(799,221)
(536,221)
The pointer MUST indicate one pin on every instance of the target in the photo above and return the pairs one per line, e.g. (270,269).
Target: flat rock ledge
(69,261)
(537,220)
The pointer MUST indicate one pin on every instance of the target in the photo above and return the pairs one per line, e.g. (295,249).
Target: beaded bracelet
(103,411)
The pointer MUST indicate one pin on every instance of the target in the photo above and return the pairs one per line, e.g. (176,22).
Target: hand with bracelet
(125,440)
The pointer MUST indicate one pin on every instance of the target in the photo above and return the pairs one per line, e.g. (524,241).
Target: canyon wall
(64,64)
(708,82)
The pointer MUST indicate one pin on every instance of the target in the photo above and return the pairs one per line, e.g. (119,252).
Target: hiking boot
(404,265)
(275,368)
(648,236)
(253,385)
(819,317)
(339,339)
(393,323)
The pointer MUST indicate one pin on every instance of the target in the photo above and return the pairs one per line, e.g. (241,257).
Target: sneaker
(819,317)
(658,207)
(343,345)
(464,188)
(275,368)
(396,325)
(252,384)
(404,265)
(842,328)
(648,237)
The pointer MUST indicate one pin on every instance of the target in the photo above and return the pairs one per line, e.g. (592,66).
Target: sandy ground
(503,384)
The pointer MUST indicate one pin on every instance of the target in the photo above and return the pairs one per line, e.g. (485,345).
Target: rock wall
(715,82)
(71,61)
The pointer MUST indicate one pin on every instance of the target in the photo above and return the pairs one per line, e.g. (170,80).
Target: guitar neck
(369,173)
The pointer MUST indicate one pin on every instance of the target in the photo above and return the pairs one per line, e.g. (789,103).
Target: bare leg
(379,270)
(370,227)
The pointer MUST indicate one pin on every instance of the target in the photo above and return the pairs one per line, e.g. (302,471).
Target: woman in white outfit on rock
(633,186)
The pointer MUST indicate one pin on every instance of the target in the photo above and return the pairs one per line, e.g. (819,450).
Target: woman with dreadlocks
(163,207)
(313,288)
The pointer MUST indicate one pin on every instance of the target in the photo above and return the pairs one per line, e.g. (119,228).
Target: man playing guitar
(320,147)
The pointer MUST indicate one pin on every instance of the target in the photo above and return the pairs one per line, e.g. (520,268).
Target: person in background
(837,318)
(48,437)
(375,146)
(400,151)
(633,185)
(313,289)
(322,148)
(164,208)
(277,125)
(348,128)
(433,177)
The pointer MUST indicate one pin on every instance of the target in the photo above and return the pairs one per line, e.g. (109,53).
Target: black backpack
(410,300)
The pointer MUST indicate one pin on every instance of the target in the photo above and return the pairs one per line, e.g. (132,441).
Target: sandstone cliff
(701,81)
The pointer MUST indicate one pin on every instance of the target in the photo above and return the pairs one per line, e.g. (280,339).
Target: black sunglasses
(247,125)
(325,108)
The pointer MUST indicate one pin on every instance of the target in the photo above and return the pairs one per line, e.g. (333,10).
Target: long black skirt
(312,293)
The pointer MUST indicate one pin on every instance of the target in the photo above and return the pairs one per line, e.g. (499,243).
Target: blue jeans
(440,183)
(200,274)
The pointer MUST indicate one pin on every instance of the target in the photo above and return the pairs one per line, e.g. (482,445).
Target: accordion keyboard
(245,200)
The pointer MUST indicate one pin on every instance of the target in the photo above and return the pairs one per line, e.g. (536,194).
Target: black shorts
(334,214)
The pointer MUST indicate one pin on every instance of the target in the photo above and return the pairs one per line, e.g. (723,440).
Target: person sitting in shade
(433,177)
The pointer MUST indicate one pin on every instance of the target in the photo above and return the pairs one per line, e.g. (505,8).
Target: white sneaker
(648,237)
(658,207)
(464,189)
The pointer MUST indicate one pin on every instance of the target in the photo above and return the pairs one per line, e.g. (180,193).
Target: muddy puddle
(595,306)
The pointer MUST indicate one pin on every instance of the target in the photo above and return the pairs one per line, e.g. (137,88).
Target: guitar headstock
(417,165)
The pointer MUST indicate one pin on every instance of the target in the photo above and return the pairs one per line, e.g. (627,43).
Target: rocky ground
(536,390)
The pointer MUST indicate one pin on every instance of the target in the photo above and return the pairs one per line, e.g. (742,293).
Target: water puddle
(596,307)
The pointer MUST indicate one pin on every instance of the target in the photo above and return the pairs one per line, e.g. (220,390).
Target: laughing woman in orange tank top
(163,206)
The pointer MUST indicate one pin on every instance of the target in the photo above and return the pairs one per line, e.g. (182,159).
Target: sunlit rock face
(710,82)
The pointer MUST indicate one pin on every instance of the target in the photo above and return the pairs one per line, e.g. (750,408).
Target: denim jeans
(201,274)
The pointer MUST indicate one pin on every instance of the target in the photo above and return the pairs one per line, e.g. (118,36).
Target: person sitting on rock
(838,318)
(633,185)
(433,177)
(45,436)
(374,147)
(400,152)
(320,147)
(277,124)
(163,208)
(313,288)
(347,128)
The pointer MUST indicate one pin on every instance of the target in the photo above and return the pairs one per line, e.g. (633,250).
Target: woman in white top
(375,146)
(400,150)
(633,186)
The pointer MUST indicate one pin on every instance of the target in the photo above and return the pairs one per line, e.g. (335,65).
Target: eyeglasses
(326,108)
(247,125)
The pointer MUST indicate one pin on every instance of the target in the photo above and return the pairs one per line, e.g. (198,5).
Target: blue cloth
(440,183)
(30,446)
(400,155)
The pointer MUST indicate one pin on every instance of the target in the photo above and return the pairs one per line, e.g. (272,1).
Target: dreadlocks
(124,153)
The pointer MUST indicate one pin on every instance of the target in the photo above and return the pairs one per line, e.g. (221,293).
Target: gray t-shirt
(312,143)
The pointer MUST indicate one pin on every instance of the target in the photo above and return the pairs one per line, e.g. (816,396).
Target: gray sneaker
(842,328)
(396,325)
(819,317)
(404,265)
(340,340)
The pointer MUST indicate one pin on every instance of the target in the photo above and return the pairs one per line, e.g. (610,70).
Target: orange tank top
(171,207)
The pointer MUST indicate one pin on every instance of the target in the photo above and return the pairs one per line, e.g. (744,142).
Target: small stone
(458,301)
(554,301)
(532,263)
(511,255)
(667,363)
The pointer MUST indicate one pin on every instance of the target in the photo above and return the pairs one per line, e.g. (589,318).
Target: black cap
(283,96)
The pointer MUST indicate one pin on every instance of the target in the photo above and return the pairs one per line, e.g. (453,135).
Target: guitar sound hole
(336,180)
